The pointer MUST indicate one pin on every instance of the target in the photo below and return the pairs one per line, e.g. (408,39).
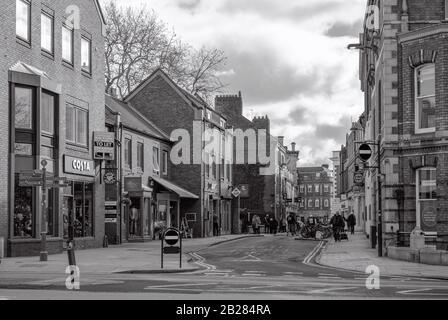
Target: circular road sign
(171,237)
(365,152)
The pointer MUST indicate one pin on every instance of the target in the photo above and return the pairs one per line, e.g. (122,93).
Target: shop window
(128,153)
(24,108)
(83,209)
(23,20)
(86,57)
(23,211)
(47,33)
(67,44)
(425,99)
(77,125)
(140,156)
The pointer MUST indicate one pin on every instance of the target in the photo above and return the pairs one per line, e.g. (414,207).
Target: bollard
(43,249)
(71,254)
(2,246)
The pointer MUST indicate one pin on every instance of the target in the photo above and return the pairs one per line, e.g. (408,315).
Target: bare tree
(138,42)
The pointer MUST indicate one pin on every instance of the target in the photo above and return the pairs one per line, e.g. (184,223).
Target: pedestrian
(351,221)
(283,224)
(273,226)
(337,223)
(215,225)
(256,223)
(291,225)
(267,228)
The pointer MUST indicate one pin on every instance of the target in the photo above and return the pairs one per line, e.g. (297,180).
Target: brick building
(205,167)
(336,197)
(145,171)
(268,194)
(315,189)
(403,74)
(52,100)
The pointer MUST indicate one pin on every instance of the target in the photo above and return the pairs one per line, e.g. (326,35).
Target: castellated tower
(229,104)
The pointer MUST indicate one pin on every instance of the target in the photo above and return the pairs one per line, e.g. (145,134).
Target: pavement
(357,255)
(127,258)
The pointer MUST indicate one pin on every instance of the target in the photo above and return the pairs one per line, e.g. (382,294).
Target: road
(274,268)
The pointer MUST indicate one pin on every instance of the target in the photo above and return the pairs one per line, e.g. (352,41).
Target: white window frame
(418,130)
(317,188)
(165,162)
(417,199)
(317,203)
(87,41)
(45,15)
(326,203)
(302,189)
(72,61)
(28,37)
(310,188)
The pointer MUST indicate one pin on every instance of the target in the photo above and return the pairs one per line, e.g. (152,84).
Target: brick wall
(74,85)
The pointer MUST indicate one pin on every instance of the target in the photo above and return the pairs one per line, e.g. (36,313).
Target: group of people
(272,226)
(339,222)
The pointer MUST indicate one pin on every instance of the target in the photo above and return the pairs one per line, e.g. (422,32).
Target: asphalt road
(274,268)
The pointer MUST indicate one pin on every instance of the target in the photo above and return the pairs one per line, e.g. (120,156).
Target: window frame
(51,17)
(156,168)
(417,117)
(140,156)
(72,44)
(28,3)
(89,42)
(165,162)
(127,153)
(418,200)
(75,132)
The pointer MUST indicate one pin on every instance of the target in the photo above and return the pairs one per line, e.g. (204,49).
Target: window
(128,153)
(317,203)
(47,113)
(316,188)
(427,199)
(425,99)
(23,211)
(310,189)
(23,21)
(310,203)
(85,55)
(302,189)
(24,108)
(67,44)
(77,125)
(326,188)
(83,209)
(326,203)
(47,33)
(156,159)
(140,156)
(302,204)
(165,162)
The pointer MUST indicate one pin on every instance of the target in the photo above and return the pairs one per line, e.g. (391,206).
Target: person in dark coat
(337,222)
(351,223)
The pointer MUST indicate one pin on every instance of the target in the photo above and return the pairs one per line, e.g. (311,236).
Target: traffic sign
(171,250)
(236,193)
(358,178)
(365,152)
(172,237)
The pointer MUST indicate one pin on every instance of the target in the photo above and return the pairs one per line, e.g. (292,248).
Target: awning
(183,194)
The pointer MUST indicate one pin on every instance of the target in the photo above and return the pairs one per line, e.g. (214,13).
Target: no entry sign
(172,237)
(365,152)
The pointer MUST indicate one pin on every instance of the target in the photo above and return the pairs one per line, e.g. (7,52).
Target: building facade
(335,195)
(403,63)
(52,102)
(315,189)
(202,163)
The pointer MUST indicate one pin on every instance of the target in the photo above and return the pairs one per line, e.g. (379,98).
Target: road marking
(331,289)
(217,274)
(253,275)
(180,285)
(329,278)
(249,258)
(294,273)
(201,262)
(327,274)
(313,253)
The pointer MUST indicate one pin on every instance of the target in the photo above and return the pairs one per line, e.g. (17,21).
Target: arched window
(425,99)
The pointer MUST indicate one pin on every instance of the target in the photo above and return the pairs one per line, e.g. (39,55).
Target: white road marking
(294,273)
(253,275)
(331,290)
(327,274)
(329,278)
(180,285)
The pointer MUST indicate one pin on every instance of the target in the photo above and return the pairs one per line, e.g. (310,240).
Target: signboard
(365,152)
(133,184)
(236,192)
(104,145)
(358,178)
(110,177)
(428,217)
(172,237)
(244,188)
(77,166)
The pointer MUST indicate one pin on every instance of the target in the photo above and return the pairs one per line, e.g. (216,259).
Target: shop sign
(133,184)
(429,218)
(104,145)
(79,166)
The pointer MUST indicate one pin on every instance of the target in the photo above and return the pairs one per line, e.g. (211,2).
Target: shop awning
(182,193)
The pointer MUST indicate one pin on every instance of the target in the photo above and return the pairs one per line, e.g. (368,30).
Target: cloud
(340,29)
(189,5)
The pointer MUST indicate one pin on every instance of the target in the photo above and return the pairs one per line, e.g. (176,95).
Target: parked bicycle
(321,231)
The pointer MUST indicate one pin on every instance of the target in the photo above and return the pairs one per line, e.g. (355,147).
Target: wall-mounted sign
(244,188)
(104,146)
(133,184)
(429,218)
(79,166)
(110,177)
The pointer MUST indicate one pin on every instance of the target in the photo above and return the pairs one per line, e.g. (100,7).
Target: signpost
(170,240)
(40,178)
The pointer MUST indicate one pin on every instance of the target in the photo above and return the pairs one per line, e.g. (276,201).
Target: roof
(134,120)
(25,68)
(183,194)
(102,17)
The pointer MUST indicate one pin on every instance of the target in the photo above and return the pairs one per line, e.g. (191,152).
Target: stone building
(52,102)
(403,75)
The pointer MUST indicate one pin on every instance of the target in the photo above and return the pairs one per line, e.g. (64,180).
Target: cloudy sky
(288,58)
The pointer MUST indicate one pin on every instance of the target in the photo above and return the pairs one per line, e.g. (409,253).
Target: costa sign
(79,166)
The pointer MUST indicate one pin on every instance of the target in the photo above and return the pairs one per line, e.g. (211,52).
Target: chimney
(229,104)
(293,147)
(281,140)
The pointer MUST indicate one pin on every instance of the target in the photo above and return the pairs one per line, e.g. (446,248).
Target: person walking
(216,232)
(337,223)
(256,223)
(266,221)
(291,225)
(351,222)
